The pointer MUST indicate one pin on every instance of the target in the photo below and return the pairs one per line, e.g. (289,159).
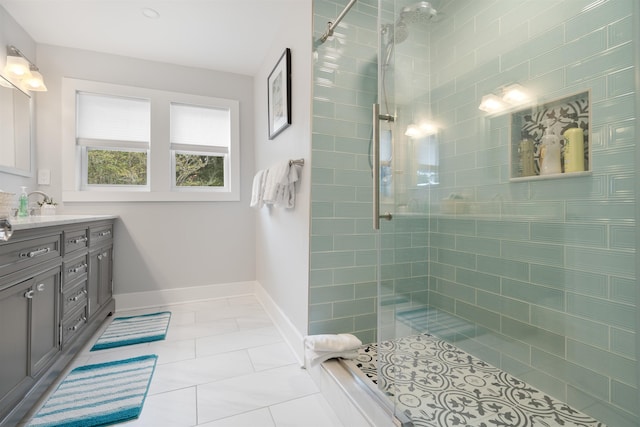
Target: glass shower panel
(493,256)
(409,168)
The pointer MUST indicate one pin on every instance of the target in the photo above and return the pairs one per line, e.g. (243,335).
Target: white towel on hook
(280,185)
(257,190)
(275,175)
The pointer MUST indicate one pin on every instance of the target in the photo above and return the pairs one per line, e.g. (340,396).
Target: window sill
(147,196)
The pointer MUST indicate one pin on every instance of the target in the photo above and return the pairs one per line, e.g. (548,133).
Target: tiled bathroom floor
(223,364)
(435,383)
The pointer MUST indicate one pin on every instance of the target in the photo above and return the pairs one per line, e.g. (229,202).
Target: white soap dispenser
(23,203)
(549,152)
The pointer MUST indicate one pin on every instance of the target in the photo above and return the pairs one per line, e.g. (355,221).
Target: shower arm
(331,25)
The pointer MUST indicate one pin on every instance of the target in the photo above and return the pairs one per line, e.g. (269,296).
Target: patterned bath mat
(134,330)
(96,395)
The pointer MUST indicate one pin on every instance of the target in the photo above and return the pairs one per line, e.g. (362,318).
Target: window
(200,139)
(113,135)
(134,144)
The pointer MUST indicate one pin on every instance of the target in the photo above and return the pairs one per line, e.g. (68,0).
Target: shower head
(418,13)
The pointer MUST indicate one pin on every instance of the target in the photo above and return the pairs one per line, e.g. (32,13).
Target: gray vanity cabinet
(44,318)
(100,267)
(55,291)
(29,320)
(14,329)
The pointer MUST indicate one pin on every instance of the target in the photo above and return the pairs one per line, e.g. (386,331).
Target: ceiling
(222,35)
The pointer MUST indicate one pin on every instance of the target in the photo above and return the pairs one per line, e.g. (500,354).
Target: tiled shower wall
(543,271)
(342,294)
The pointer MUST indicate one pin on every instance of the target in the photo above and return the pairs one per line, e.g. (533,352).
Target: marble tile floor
(222,364)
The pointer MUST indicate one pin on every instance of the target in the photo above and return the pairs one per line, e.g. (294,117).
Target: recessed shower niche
(551,139)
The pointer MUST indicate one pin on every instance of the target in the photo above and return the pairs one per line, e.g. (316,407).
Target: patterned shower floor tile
(435,384)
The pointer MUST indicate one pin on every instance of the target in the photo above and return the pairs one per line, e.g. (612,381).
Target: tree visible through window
(193,170)
(108,167)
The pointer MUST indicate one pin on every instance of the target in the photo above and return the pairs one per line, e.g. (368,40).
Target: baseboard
(137,300)
(292,336)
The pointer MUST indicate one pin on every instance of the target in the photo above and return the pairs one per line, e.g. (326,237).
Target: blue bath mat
(134,330)
(97,395)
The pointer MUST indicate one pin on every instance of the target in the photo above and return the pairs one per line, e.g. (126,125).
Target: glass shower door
(490,261)
(407,170)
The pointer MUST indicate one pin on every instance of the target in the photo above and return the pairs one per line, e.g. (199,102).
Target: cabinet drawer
(21,254)
(74,269)
(75,240)
(73,324)
(73,298)
(100,234)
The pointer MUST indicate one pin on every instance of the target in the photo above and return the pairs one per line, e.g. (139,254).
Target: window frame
(161,169)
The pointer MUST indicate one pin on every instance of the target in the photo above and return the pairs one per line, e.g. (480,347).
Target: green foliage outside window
(193,170)
(112,167)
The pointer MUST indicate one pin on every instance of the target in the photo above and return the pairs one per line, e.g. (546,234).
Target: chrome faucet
(5,229)
(47,198)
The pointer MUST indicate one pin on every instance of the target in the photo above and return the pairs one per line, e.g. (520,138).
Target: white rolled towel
(312,358)
(332,342)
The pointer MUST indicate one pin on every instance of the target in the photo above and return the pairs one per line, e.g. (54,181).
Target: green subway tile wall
(343,294)
(537,277)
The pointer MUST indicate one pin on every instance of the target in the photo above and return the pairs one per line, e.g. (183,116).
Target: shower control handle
(376,165)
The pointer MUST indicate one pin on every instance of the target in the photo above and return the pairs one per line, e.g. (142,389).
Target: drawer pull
(104,233)
(78,325)
(77,296)
(29,294)
(78,240)
(102,255)
(77,269)
(40,287)
(35,253)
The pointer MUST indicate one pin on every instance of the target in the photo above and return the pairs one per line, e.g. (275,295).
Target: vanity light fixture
(17,67)
(492,104)
(421,130)
(516,95)
(412,131)
(20,70)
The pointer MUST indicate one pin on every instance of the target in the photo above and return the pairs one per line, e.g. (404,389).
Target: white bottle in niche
(549,152)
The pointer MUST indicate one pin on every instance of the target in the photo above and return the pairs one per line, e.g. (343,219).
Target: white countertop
(49,220)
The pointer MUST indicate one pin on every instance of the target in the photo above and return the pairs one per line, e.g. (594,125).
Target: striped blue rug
(96,395)
(134,330)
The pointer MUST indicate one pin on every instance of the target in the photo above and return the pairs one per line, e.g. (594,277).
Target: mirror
(15,129)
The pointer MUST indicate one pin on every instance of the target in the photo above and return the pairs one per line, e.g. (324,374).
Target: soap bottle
(23,203)
(525,150)
(550,153)
(574,150)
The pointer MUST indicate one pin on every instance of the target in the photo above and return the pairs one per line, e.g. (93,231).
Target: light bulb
(491,104)
(35,82)
(17,66)
(516,95)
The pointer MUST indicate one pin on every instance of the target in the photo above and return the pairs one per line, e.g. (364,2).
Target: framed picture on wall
(279,95)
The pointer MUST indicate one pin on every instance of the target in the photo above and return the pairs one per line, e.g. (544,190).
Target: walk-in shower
(492,295)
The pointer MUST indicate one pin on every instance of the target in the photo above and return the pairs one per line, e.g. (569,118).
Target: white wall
(282,235)
(159,246)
